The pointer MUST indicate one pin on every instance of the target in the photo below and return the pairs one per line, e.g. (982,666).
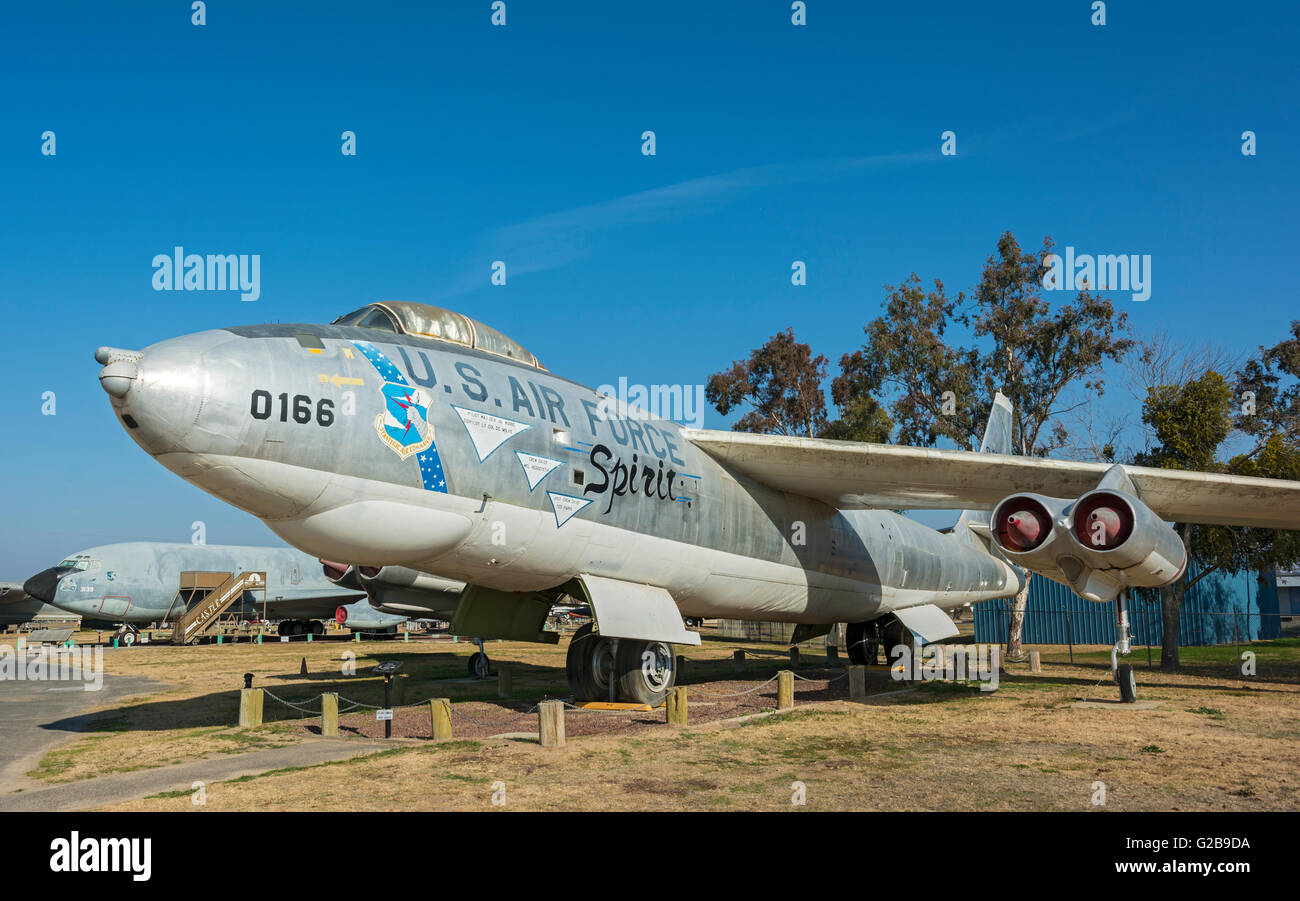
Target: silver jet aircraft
(134,583)
(408,436)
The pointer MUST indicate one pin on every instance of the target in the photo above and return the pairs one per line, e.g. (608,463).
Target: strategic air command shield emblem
(404,424)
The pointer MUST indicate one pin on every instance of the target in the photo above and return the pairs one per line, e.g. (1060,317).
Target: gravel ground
(708,702)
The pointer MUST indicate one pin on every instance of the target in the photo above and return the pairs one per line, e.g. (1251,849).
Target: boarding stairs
(209,595)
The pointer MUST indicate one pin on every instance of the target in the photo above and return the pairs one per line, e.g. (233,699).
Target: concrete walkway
(89,794)
(36,717)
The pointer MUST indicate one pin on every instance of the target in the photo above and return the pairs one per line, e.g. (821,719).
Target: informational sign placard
(383,714)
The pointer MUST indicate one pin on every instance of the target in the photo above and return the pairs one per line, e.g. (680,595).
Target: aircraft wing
(857,475)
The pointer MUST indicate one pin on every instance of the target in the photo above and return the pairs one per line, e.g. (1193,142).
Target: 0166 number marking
(262,405)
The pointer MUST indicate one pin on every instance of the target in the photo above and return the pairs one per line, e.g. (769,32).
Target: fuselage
(138,582)
(377,448)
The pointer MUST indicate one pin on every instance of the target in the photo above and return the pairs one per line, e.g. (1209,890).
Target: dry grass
(1217,741)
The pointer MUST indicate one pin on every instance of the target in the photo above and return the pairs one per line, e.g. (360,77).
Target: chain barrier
(294,705)
(352,705)
(477,722)
(843,675)
(731,694)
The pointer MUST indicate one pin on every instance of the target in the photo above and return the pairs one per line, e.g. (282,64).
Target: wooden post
(832,655)
(794,657)
(681,665)
(784,690)
(250,707)
(857,682)
(503,681)
(1035,661)
(550,723)
(737,660)
(329,714)
(677,707)
(400,681)
(440,714)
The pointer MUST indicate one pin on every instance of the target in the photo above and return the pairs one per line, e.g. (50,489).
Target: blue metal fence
(1218,609)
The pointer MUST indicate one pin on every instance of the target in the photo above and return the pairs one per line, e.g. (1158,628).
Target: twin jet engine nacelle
(398,590)
(1100,544)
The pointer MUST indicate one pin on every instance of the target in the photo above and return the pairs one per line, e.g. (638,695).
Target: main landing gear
(292,627)
(864,643)
(1124,675)
(619,669)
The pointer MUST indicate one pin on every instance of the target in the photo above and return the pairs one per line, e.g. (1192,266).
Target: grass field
(1216,740)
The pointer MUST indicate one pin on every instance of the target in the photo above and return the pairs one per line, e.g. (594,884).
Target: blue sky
(522,143)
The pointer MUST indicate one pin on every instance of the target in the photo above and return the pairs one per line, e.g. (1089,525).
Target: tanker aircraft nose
(45,583)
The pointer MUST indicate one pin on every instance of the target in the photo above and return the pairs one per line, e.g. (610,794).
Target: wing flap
(928,622)
(632,610)
(855,475)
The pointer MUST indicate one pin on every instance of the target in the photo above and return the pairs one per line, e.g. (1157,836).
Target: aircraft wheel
(317,627)
(575,662)
(896,634)
(479,665)
(647,670)
(1128,685)
(862,646)
(600,668)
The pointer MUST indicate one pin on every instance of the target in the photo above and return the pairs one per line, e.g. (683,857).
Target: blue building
(1218,609)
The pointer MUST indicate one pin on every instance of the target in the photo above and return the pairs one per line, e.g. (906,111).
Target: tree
(936,389)
(907,360)
(1159,359)
(1037,355)
(1191,422)
(781,382)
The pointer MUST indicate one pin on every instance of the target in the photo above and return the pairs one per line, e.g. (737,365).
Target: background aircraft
(135,583)
(17,608)
(411,436)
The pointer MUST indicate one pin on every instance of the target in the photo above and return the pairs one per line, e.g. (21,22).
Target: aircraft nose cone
(160,394)
(43,585)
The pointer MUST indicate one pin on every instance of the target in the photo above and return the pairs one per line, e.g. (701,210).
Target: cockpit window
(428,321)
(352,318)
(378,319)
(79,563)
(489,339)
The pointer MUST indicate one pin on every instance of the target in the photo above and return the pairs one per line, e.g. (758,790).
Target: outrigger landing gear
(480,667)
(619,669)
(1124,675)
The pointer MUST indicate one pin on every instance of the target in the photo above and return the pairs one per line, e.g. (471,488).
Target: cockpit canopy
(406,318)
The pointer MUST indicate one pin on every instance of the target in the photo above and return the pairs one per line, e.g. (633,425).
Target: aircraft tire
(479,665)
(862,650)
(896,634)
(1127,683)
(642,679)
(600,667)
(317,627)
(575,662)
